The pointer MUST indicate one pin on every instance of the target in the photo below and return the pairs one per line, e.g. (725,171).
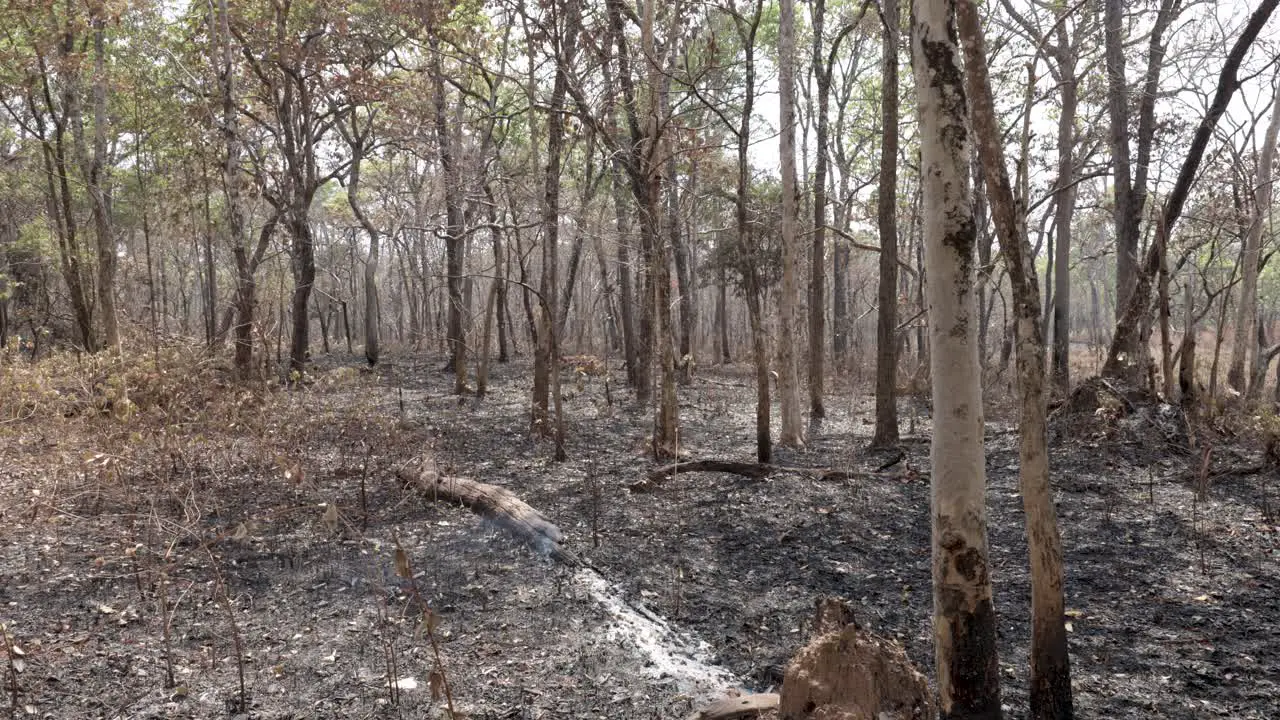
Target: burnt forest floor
(230,530)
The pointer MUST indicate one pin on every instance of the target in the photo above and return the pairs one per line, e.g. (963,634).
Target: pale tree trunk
(548,351)
(1050,664)
(886,432)
(792,432)
(1247,312)
(964,619)
(840,262)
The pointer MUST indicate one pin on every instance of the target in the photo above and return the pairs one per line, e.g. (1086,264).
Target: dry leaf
(433,621)
(330,517)
(241,532)
(437,684)
(402,564)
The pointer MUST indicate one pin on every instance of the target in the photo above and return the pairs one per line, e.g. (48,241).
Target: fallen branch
(732,708)
(1241,470)
(753,470)
(496,503)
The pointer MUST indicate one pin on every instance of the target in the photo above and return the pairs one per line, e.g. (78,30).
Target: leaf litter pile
(173,545)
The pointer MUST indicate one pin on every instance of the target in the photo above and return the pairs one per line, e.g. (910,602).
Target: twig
(13,671)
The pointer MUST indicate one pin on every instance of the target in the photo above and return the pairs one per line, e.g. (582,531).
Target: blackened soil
(171,551)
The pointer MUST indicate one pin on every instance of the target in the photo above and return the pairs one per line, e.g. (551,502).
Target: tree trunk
(98,184)
(500,270)
(1121,355)
(684,274)
(454,240)
(792,434)
(482,367)
(817,254)
(1126,219)
(246,288)
(722,314)
(1247,311)
(357,138)
(549,326)
(1050,664)
(209,292)
(61,210)
(964,615)
(748,257)
(626,305)
(303,266)
(667,415)
(886,432)
(1066,208)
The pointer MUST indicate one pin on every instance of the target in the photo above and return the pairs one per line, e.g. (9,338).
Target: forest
(865,359)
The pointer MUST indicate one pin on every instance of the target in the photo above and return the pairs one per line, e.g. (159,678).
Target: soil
(259,536)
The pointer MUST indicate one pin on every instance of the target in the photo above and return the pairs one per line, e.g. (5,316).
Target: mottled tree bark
(1050,664)
(964,615)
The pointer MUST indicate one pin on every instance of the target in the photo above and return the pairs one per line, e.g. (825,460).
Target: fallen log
(495,503)
(734,708)
(753,470)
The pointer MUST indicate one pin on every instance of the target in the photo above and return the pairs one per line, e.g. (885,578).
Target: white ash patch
(679,657)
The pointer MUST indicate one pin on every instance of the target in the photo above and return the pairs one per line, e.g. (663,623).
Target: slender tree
(886,431)
(1050,665)
(964,614)
(1247,309)
(792,431)
(1120,355)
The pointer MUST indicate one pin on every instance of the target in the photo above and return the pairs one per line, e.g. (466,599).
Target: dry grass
(151,470)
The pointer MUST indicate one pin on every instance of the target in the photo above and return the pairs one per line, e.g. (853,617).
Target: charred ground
(211,516)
